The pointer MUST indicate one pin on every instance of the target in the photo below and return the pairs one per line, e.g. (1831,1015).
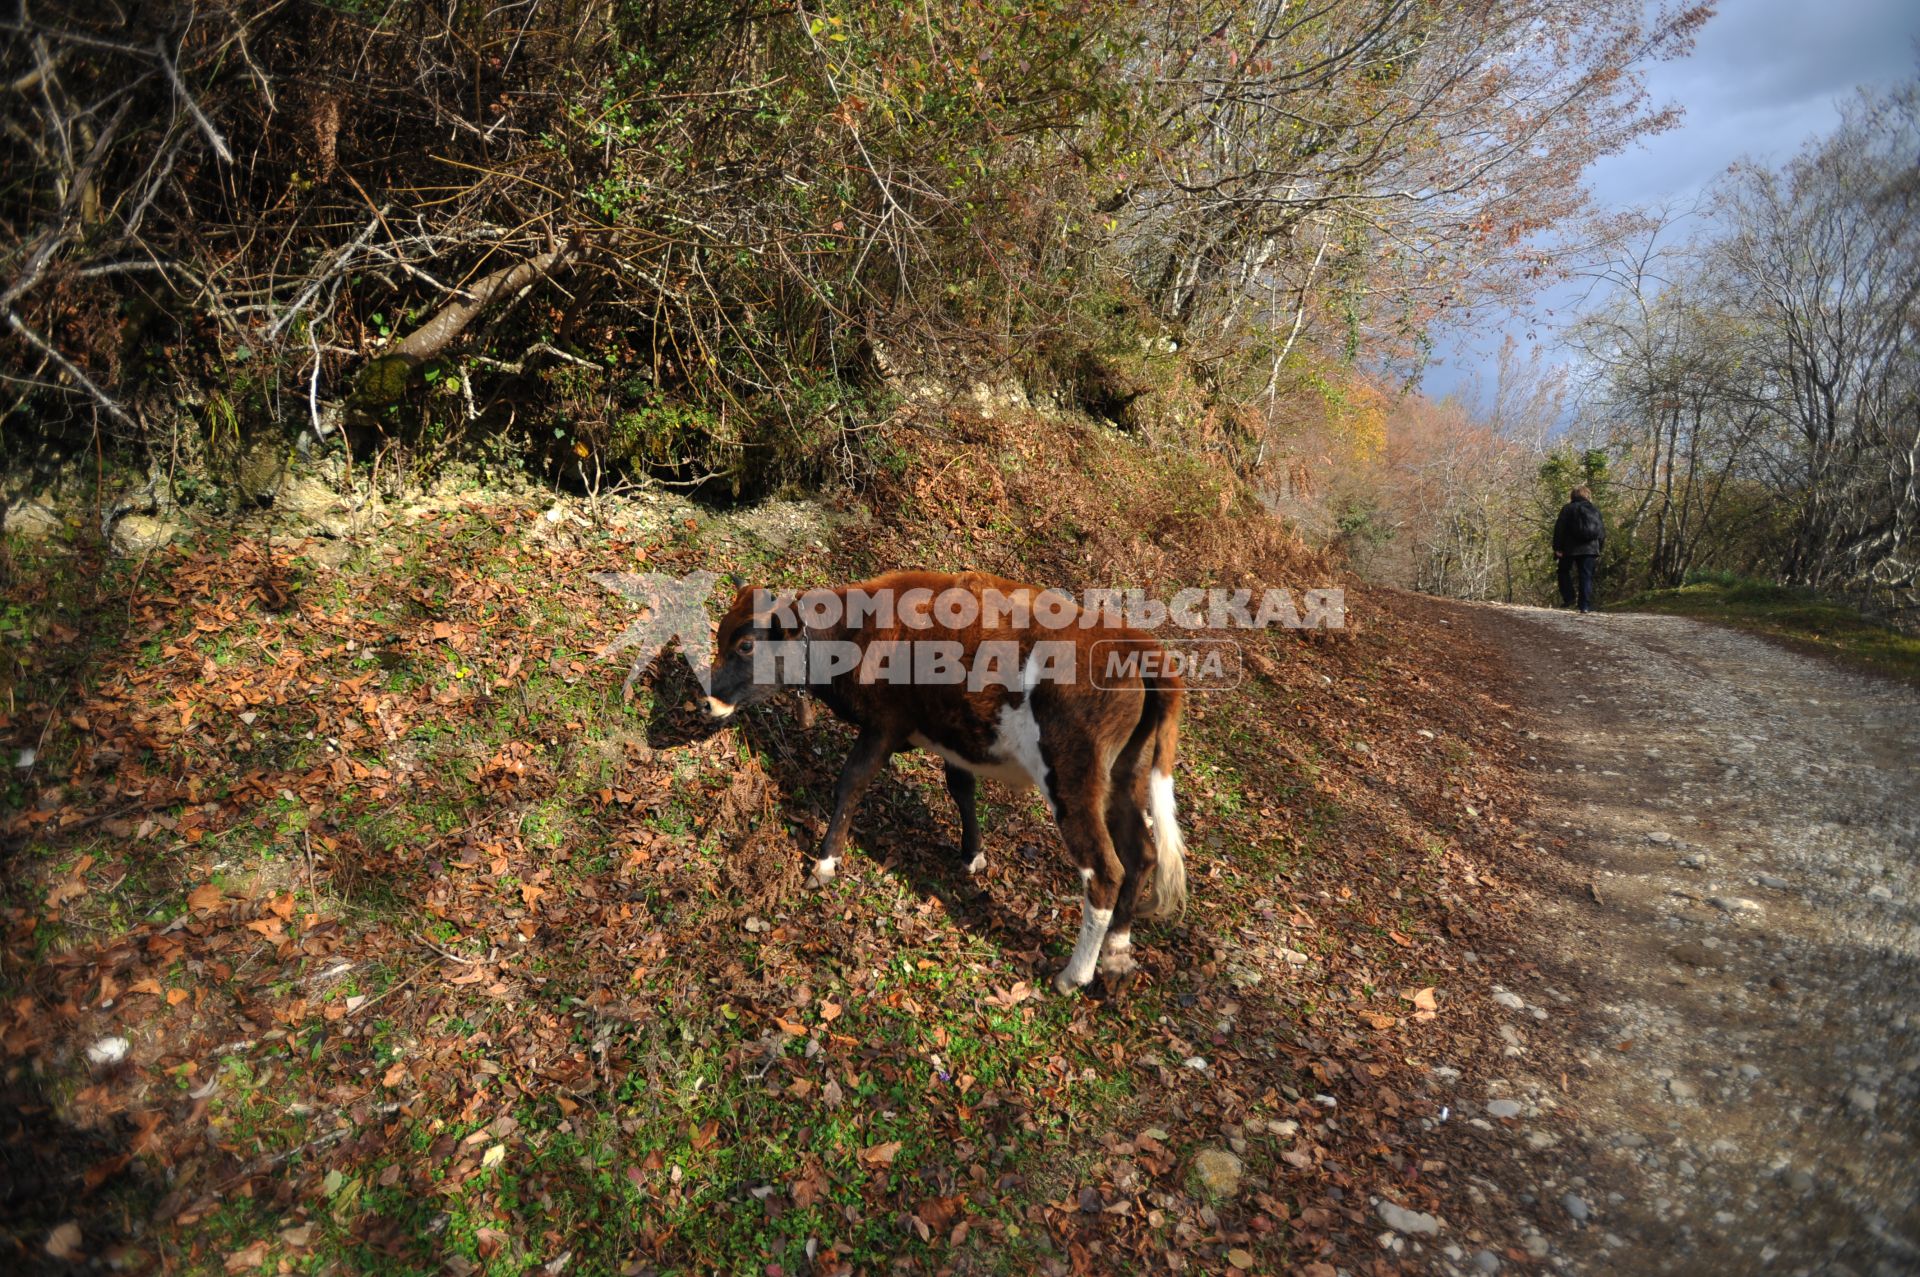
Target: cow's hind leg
(966,792)
(1128,831)
(1080,800)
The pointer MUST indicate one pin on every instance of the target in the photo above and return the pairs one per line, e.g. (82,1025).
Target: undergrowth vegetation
(700,240)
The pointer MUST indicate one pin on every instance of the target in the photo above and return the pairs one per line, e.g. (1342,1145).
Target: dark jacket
(1579,529)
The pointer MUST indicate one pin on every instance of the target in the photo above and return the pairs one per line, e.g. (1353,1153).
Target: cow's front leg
(870,754)
(966,796)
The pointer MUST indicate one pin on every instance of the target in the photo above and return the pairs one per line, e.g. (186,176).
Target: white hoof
(1066,985)
(1117,962)
(823,872)
(978,865)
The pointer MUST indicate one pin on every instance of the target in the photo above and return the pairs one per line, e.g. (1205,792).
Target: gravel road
(1728,942)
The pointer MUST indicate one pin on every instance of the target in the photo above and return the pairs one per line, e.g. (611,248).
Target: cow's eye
(744,647)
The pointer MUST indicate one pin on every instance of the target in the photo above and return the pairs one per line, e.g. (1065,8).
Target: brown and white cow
(1071,701)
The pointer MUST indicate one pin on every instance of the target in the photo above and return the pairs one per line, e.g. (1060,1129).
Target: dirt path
(1731,898)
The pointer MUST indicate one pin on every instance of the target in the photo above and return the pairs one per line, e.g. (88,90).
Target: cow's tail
(1166,894)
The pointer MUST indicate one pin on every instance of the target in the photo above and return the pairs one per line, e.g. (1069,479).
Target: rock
(1733,904)
(1576,1207)
(108,1051)
(1800,1182)
(1293,957)
(329,553)
(1660,837)
(140,534)
(1694,954)
(1693,860)
(1511,1001)
(1402,1220)
(1536,1245)
(1218,1172)
(1861,1100)
(32,520)
(1503,1108)
(1682,1091)
(1485,1261)
(1879,891)
(1771,882)
(307,498)
(1751,1072)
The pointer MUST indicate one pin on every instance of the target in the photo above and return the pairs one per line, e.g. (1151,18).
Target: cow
(1048,694)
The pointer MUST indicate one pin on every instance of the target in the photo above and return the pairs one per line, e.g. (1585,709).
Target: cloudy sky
(1764,76)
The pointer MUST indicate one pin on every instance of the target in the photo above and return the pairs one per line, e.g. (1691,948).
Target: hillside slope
(400,938)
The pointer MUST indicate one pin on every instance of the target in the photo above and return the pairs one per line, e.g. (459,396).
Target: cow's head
(755,617)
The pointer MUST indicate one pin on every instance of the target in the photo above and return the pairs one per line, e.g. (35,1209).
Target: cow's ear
(740,598)
(779,621)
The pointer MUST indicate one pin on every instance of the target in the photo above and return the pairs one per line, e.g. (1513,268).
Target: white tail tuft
(1170,864)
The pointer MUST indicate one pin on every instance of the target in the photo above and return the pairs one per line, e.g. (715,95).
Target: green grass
(1798,618)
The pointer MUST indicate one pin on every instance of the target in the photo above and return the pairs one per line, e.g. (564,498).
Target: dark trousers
(1577,567)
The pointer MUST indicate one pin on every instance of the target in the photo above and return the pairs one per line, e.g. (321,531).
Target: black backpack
(1586,523)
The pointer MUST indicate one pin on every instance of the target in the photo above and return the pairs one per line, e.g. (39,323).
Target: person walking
(1578,535)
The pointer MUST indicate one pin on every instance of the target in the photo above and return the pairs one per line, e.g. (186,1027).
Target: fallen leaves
(248,1257)
(880,1154)
(810,1185)
(72,889)
(1425,1007)
(63,1243)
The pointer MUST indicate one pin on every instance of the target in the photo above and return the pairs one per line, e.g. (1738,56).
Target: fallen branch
(434,336)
